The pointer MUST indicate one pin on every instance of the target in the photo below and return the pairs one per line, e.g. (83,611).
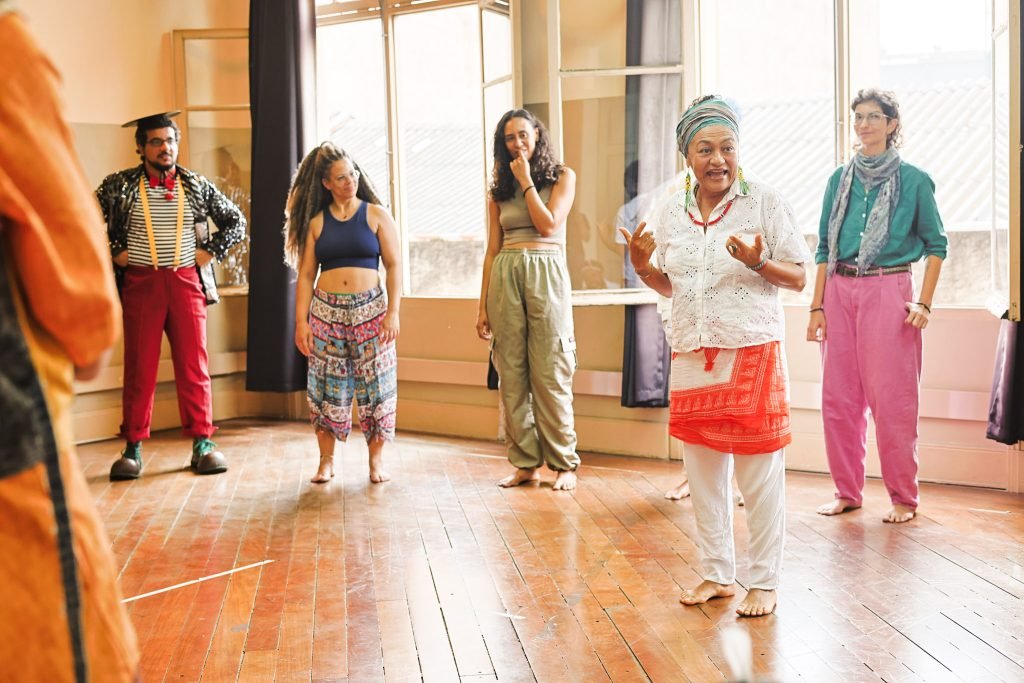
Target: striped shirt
(164,214)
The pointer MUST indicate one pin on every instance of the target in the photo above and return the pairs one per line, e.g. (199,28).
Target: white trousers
(762,480)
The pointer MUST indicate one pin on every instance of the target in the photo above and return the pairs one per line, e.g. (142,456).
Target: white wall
(115,55)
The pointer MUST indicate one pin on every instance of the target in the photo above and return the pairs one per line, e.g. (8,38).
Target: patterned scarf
(884,170)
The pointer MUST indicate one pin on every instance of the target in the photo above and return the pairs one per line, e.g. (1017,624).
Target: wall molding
(941,404)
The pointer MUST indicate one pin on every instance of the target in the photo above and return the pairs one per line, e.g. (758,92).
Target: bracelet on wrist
(759,266)
(531,187)
(817,308)
(644,276)
(926,306)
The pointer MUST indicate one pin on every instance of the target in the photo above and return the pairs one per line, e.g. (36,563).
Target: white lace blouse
(717,302)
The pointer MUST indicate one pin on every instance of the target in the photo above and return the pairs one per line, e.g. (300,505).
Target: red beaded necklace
(710,223)
(167,182)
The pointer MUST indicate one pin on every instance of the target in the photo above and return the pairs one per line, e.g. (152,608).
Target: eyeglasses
(873,118)
(353,176)
(156,143)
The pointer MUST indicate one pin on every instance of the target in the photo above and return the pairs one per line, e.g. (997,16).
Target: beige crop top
(517,225)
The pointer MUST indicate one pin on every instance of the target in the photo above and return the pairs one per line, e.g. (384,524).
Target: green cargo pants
(529,307)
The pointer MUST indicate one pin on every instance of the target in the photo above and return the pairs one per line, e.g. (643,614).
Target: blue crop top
(347,244)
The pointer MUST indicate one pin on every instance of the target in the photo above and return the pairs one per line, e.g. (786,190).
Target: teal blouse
(915,229)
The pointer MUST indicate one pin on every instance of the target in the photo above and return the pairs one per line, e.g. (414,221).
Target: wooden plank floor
(439,575)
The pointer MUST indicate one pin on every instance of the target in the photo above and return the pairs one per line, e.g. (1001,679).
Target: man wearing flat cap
(158,216)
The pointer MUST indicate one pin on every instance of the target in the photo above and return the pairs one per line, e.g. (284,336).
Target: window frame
(385,11)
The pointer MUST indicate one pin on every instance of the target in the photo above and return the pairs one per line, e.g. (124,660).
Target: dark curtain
(1006,407)
(282,41)
(645,359)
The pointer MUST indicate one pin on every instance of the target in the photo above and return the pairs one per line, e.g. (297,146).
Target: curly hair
(307,196)
(886,100)
(544,168)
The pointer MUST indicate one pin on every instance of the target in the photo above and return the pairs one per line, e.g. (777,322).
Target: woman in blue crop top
(526,300)
(345,323)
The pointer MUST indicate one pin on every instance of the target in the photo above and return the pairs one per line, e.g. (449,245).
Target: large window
(785,96)
(943,73)
(416,93)
(626,68)
(351,100)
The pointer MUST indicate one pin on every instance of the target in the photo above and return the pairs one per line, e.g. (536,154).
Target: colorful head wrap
(710,110)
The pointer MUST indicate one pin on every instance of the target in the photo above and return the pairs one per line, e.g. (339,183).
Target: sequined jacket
(119,191)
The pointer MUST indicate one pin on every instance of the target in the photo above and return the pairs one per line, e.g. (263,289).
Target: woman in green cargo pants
(526,300)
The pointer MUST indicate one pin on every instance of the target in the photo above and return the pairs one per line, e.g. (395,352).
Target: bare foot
(899,514)
(679,492)
(565,481)
(837,507)
(520,476)
(758,603)
(325,472)
(377,473)
(706,590)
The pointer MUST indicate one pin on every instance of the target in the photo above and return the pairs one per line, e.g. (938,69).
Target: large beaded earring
(744,187)
(686,201)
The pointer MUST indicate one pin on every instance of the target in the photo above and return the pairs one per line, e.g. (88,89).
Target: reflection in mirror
(619,137)
(220,148)
(217,71)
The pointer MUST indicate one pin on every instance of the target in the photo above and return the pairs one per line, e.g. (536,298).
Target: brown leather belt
(846,270)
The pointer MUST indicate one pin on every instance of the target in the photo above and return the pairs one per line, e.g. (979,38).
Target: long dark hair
(308,196)
(544,168)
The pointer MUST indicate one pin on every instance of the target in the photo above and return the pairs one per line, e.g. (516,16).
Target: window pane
(497,45)
(498,99)
(617,33)
(441,152)
(785,97)
(942,75)
(352,102)
(217,71)
(220,148)
(619,138)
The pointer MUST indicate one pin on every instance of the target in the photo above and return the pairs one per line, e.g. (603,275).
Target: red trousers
(172,301)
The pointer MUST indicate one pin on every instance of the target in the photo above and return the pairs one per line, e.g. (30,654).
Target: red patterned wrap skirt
(731,400)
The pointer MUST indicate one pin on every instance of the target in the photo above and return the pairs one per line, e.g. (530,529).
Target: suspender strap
(149,223)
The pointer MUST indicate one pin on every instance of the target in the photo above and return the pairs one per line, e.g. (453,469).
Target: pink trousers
(871,361)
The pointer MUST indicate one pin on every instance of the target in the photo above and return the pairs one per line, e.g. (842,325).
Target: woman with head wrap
(723,247)
(879,216)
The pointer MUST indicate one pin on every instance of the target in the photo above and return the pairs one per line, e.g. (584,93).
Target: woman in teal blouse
(879,216)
